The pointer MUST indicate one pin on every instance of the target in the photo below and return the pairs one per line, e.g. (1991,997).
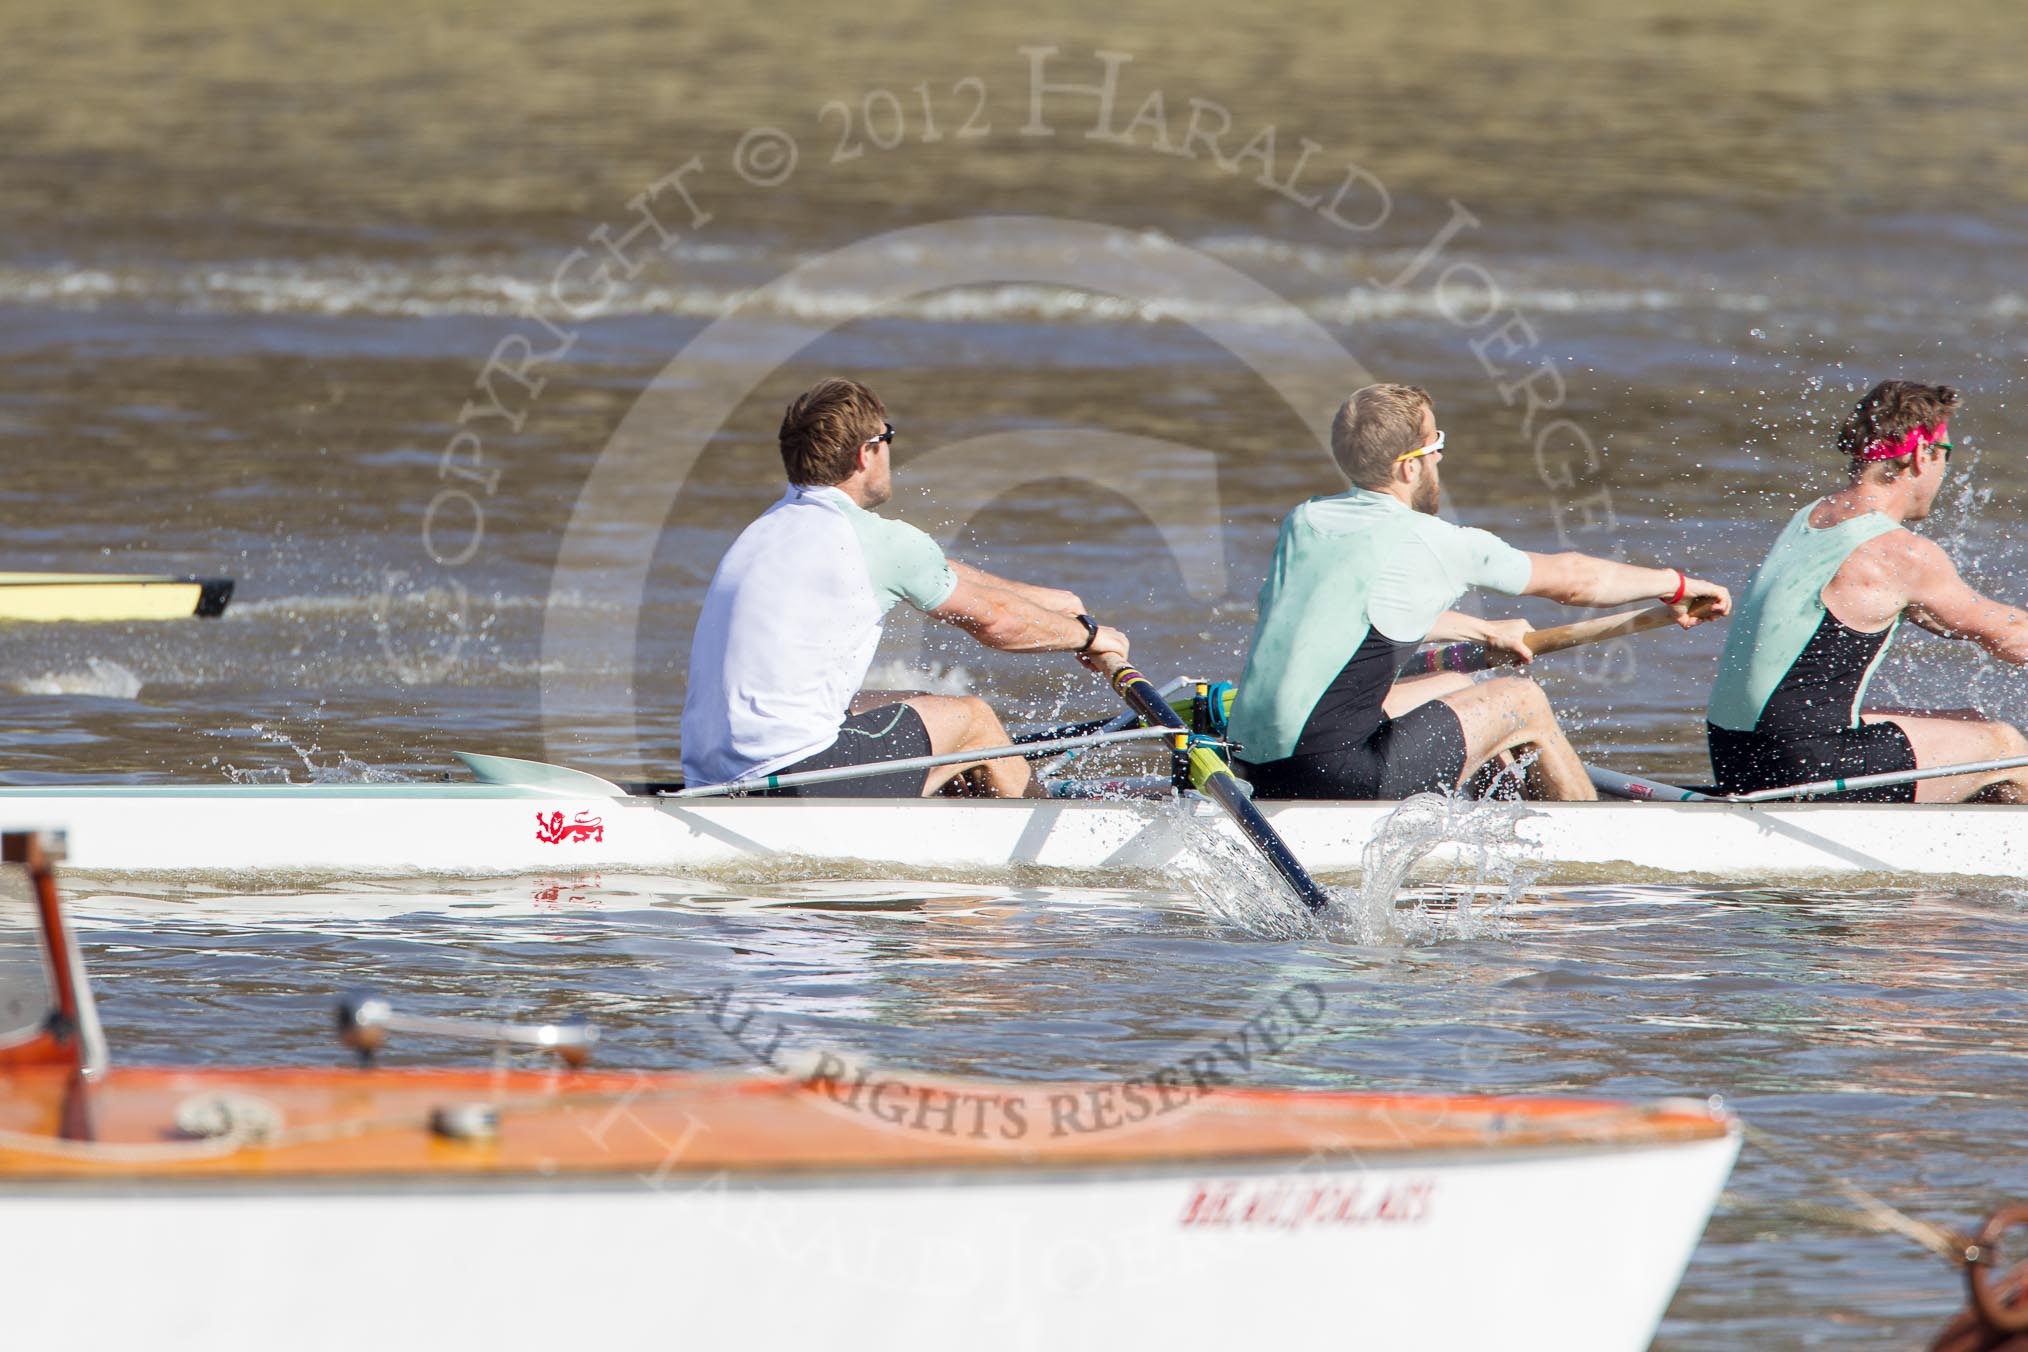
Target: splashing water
(108,680)
(1483,855)
(344,770)
(1230,880)
(934,678)
(1480,864)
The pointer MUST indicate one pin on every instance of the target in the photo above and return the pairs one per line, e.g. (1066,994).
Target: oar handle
(1109,665)
(1600,630)
(1556,639)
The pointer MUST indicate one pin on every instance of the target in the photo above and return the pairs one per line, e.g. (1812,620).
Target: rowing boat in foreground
(110,596)
(846,1208)
(522,817)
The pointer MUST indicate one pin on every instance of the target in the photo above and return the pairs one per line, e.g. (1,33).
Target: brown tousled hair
(1377,424)
(1891,410)
(824,428)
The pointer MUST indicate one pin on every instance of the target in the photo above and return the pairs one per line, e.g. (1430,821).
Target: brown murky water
(448,329)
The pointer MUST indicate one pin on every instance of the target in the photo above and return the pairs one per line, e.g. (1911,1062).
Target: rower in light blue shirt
(1361,578)
(1789,706)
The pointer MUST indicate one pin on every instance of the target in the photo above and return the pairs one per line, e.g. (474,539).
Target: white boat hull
(1561,1248)
(490,830)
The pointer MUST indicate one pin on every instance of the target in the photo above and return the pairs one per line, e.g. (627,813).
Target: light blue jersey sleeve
(1425,573)
(904,563)
(1478,558)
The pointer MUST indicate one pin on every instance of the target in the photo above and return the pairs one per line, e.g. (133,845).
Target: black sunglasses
(887,437)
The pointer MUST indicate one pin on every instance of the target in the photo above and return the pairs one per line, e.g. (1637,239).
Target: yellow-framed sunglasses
(1432,449)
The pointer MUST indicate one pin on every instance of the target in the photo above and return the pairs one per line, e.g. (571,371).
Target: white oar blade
(530,774)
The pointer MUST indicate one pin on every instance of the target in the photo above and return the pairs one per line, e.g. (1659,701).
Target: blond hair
(1376,426)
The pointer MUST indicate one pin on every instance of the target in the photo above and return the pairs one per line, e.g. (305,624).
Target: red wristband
(1682,585)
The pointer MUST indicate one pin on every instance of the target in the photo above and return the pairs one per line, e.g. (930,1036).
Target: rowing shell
(534,818)
(110,596)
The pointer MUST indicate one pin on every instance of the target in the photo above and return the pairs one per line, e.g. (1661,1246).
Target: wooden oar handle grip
(1482,657)
(1600,630)
(1108,665)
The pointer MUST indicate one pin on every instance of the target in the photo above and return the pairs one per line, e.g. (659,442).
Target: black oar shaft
(1224,790)
(1219,785)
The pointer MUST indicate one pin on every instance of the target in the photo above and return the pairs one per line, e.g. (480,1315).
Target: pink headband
(1907,445)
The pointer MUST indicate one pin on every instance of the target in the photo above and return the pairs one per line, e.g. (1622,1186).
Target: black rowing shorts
(1747,762)
(1422,751)
(890,732)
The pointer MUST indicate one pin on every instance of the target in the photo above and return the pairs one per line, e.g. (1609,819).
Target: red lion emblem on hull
(552,829)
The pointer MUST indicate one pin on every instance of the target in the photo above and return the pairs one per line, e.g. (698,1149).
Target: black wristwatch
(1090,632)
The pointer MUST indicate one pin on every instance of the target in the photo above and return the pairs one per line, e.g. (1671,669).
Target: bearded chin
(1428,497)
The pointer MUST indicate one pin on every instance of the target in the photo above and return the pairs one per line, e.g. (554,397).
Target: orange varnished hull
(378,1123)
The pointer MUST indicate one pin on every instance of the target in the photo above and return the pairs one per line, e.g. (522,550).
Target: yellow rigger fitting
(1204,763)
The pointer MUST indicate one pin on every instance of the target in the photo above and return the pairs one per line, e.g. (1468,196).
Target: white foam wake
(340,286)
(105,679)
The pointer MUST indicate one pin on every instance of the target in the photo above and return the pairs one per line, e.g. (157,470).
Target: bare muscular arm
(1944,603)
(1048,598)
(1586,580)
(1009,621)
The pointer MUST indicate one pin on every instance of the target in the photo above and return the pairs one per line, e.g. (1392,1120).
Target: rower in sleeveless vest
(1788,706)
(1358,580)
(794,613)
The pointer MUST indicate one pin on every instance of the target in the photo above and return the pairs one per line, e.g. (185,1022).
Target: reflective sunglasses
(1434,448)
(885,438)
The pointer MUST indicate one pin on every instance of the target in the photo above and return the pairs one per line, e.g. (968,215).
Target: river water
(459,336)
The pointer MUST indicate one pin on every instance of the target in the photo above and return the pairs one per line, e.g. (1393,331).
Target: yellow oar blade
(89,597)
